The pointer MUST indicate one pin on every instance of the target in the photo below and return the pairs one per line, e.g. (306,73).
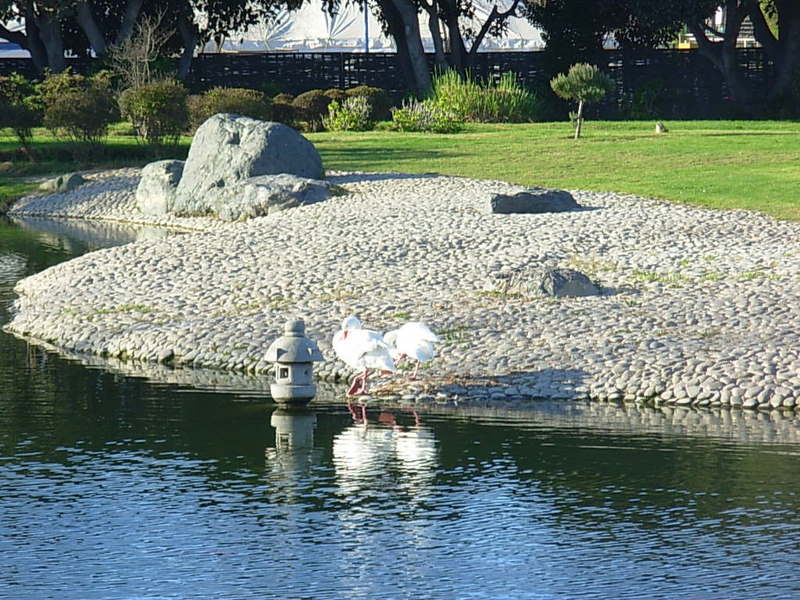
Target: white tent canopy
(311,29)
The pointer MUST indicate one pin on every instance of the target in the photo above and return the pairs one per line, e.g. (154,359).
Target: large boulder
(265,195)
(227,149)
(533,280)
(155,193)
(532,200)
(62,183)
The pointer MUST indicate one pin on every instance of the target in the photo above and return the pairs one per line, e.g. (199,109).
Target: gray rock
(532,280)
(227,149)
(532,200)
(155,193)
(62,183)
(567,282)
(265,195)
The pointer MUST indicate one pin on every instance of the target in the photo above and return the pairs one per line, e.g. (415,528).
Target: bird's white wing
(418,330)
(390,337)
(418,349)
(363,349)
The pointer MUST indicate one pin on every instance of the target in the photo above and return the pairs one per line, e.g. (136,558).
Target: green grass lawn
(751,165)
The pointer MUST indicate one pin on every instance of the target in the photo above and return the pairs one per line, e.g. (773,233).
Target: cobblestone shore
(700,307)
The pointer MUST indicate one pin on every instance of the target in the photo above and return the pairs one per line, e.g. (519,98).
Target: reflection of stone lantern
(292,356)
(294,429)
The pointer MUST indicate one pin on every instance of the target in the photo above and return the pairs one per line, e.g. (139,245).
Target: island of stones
(534,293)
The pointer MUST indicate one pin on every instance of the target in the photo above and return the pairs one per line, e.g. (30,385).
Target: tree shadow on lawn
(792,133)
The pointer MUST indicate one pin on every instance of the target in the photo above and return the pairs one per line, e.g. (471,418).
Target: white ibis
(414,340)
(361,349)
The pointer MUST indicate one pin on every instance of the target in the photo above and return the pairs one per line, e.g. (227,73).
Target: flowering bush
(351,115)
(424,115)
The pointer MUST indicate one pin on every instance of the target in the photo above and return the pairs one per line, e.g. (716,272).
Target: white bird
(414,340)
(361,349)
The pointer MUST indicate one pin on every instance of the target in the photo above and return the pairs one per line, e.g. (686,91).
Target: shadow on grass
(751,133)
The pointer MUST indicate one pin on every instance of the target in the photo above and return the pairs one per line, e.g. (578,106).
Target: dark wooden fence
(666,84)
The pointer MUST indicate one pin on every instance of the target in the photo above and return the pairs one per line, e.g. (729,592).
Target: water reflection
(78,236)
(116,487)
(294,453)
(394,446)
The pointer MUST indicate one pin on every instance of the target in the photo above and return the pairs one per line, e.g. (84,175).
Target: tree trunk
(396,30)
(189,38)
(787,69)
(32,42)
(50,34)
(439,57)
(579,123)
(458,52)
(132,9)
(494,15)
(88,24)
(723,56)
(410,37)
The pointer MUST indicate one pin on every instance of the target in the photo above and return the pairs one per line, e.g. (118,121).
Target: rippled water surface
(115,487)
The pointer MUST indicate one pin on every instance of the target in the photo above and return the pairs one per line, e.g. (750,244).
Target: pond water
(114,486)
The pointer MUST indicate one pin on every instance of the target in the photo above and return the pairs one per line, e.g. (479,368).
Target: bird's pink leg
(364,376)
(414,374)
(358,420)
(358,385)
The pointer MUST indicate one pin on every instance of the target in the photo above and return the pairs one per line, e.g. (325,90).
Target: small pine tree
(585,83)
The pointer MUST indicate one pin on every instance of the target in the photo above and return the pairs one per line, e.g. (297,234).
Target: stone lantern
(292,356)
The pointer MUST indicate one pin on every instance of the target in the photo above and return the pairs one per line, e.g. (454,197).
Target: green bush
(470,100)
(509,102)
(238,101)
(282,109)
(20,108)
(378,99)
(352,115)
(158,111)
(312,107)
(82,107)
(424,115)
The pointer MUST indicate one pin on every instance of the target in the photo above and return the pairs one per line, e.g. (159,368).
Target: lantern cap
(293,346)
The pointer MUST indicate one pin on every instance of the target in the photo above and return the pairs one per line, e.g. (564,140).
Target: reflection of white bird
(361,349)
(414,340)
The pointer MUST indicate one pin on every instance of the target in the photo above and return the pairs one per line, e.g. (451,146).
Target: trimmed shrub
(20,108)
(238,101)
(312,107)
(584,83)
(158,111)
(282,109)
(336,94)
(424,115)
(82,107)
(195,106)
(352,115)
(378,99)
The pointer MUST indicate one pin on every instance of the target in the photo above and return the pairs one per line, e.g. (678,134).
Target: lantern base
(292,394)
